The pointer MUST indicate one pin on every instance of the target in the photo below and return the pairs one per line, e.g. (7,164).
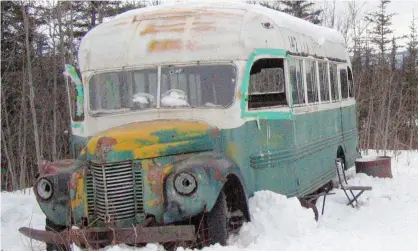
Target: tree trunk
(9,163)
(31,88)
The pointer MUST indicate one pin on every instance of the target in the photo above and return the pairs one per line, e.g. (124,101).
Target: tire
(50,226)
(217,221)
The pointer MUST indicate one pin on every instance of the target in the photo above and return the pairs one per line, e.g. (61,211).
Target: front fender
(59,175)
(211,171)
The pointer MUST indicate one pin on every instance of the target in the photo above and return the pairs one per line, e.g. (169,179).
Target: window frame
(328,65)
(328,81)
(351,89)
(337,82)
(303,69)
(90,74)
(277,108)
(340,69)
(318,94)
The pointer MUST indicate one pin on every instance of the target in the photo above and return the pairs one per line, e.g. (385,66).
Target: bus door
(266,101)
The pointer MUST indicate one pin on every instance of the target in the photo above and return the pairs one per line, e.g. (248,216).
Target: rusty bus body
(186,110)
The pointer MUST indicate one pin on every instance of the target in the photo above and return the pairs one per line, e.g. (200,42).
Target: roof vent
(267,25)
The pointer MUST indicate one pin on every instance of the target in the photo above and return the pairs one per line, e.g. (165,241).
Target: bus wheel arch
(235,195)
(341,155)
(229,212)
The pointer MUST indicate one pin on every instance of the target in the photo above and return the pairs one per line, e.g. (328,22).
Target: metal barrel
(379,166)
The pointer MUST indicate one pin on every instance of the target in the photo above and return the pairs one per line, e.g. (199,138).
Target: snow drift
(387,218)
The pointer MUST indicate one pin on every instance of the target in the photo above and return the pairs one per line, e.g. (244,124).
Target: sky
(404,10)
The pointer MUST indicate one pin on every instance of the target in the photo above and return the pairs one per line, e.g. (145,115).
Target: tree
(412,48)
(381,32)
(411,79)
(302,9)
(31,88)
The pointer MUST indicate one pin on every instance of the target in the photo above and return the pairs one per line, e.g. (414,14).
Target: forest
(39,37)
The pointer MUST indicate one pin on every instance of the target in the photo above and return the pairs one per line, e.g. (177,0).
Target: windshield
(205,86)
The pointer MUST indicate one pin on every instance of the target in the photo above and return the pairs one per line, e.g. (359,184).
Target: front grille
(112,191)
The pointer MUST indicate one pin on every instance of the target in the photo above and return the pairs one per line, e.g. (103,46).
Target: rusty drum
(379,166)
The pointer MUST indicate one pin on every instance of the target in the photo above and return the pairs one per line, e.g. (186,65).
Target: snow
(113,44)
(143,98)
(386,219)
(174,98)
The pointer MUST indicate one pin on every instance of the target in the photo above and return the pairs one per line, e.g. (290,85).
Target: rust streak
(204,28)
(153,29)
(197,23)
(171,14)
(221,14)
(164,45)
(154,177)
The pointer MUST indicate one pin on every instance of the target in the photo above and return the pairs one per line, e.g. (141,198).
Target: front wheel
(224,219)
(217,221)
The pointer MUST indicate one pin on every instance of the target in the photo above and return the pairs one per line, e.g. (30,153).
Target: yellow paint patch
(167,170)
(165,45)
(151,203)
(231,150)
(132,137)
(167,13)
(78,194)
(153,28)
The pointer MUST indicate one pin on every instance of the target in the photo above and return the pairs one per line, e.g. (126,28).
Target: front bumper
(101,237)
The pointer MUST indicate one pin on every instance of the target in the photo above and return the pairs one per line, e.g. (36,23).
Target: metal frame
(339,163)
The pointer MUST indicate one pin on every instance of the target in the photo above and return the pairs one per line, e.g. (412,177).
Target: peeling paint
(77,183)
(154,29)
(164,45)
(150,139)
(71,72)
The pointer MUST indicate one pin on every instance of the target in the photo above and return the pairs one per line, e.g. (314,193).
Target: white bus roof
(178,33)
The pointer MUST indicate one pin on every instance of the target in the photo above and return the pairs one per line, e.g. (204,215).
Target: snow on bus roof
(221,31)
(281,19)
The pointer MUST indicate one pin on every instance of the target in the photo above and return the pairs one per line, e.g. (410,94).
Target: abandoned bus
(183,112)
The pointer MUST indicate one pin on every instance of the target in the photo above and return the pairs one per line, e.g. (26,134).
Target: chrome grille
(90,193)
(139,190)
(115,193)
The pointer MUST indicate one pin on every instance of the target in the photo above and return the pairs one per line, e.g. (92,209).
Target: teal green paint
(77,145)
(295,160)
(72,73)
(299,156)
(245,84)
(143,142)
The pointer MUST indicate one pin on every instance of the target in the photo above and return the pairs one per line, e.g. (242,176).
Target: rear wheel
(50,226)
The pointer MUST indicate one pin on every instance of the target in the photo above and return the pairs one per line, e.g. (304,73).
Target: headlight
(44,189)
(185,183)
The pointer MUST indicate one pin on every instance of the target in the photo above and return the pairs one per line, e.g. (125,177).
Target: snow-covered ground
(387,218)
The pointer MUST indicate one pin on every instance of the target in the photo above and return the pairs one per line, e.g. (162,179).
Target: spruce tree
(381,32)
(302,9)
(411,61)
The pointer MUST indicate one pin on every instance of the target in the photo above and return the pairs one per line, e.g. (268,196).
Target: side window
(323,81)
(334,82)
(296,80)
(350,83)
(267,84)
(344,83)
(311,81)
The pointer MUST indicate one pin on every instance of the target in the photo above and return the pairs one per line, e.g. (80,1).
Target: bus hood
(142,140)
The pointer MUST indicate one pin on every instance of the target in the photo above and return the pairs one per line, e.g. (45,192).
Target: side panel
(262,149)
(350,135)
(292,152)
(317,137)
